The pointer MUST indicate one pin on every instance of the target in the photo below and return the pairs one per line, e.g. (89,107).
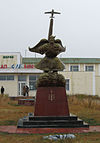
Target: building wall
(11,87)
(9,59)
(79,82)
(98,85)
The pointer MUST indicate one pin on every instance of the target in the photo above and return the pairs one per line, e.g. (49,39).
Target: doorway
(20,88)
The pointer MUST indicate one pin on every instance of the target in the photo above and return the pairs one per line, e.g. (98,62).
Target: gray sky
(23,23)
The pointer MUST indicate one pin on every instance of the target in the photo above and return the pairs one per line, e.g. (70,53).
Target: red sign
(3,66)
(18,66)
(28,66)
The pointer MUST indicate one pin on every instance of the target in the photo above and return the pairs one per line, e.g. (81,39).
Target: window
(10,77)
(22,78)
(67,84)
(32,82)
(3,77)
(74,68)
(6,77)
(89,68)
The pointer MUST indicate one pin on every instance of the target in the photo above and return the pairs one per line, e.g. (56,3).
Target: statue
(50,64)
(51,105)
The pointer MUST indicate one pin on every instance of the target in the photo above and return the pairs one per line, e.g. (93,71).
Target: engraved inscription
(51,96)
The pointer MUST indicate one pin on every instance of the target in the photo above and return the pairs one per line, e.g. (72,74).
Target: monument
(51,107)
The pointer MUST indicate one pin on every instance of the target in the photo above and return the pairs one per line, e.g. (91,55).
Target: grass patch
(13,104)
(11,112)
(90,121)
(32,138)
(86,108)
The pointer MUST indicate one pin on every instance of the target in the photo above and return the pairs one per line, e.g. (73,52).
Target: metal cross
(52,13)
(51,22)
(51,96)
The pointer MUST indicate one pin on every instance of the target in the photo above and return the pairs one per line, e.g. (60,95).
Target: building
(82,74)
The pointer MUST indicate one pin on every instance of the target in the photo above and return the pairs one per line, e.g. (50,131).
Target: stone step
(60,122)
(55,126)
(31,121)
(52,118)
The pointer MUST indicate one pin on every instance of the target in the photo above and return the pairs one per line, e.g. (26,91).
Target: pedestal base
(32,121)
(51,101)
(51,111)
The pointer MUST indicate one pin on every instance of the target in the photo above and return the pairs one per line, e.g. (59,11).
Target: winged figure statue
(51,48)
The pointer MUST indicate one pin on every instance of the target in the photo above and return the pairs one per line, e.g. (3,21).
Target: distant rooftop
(65,60)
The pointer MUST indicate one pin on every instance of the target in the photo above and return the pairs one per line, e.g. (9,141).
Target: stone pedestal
(51,101)
(51,111)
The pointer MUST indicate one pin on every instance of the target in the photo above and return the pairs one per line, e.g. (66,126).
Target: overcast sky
(23,23)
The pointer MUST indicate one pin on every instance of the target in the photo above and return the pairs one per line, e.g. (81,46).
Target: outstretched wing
(58,41)
(38,48)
